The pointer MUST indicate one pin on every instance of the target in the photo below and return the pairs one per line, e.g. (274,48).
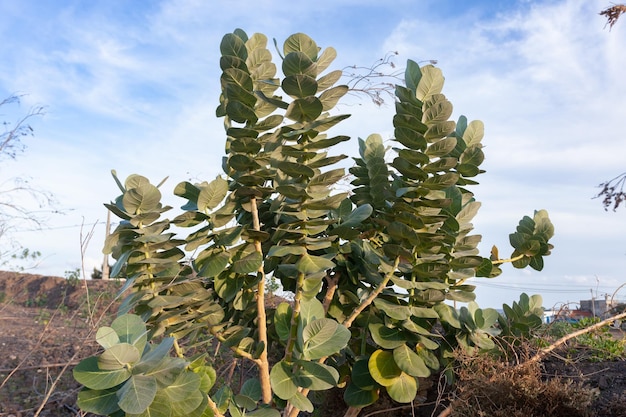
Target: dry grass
(490,387)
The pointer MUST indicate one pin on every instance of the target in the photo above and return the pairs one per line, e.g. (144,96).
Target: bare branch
(10,139)
(612,192)
(23,206)
(376,81)
(613,13)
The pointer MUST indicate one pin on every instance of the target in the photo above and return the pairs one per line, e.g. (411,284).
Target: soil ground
(47,326)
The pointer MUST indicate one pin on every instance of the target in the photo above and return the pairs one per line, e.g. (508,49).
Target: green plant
(596,345)
(522,318)
(371,271)
(135,377)
(42,317)
(73,277)
(40,300)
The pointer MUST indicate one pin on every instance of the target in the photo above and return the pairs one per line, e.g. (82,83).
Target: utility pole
(593,303)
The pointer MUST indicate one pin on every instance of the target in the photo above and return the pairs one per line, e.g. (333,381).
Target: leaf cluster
(133,377)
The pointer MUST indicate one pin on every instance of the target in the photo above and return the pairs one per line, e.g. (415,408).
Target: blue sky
(133,86)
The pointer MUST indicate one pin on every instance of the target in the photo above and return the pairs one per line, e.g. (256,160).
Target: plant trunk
(352,412)
(264,366)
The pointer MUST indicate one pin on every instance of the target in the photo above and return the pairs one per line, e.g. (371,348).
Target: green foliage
(373,271)
(597,345)
(523,317)
(135,377)
(73,277)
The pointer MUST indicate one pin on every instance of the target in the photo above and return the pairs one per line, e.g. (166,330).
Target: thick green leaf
(410,362)
(386,337)
(184,393)
(252,388)
(330,97)
(448,315)
(88,374)
(232,45)
(329,79)
(357,397)
(233,335)
(441,181)
(248,264)
(101,402)
(211,263)
(299,42)
(383,368)
(294,169)
(296,63)
(326,58)
(474,133)
(441,148)
(430,83)
(324,337)
(311,264)
(412,75)
(299,86)
(282,320)
(361,375)
(283,380)
(438,109)
(357,216)
(212,194)
(135,181)
(302,403)
(165,370)
(137,393)
(439,130)
(304,109)
(316,376)
(131,329)
(106,337)
(144,198)
(393,310)
(403,389)
(280,251)
(264,412)
(118,357)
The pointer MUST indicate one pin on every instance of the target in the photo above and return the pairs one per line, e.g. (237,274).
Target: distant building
(598,308)
(601,308)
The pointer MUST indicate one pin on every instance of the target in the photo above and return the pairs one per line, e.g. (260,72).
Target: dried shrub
(488,387)
(613,13)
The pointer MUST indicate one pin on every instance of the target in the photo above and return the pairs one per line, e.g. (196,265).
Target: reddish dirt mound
(46,327)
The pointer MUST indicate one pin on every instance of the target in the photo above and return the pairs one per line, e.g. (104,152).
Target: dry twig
(613,13)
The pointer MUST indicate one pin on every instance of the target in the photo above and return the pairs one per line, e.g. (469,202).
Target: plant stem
(348,322)
(295,317)
(214,408)
(503,261)
(263,363)
(292,411)
(235,349)
(352,412)
(333,280)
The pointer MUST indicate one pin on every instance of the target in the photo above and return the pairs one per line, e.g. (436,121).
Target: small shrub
(73,277)
(597,345)
(39,301)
